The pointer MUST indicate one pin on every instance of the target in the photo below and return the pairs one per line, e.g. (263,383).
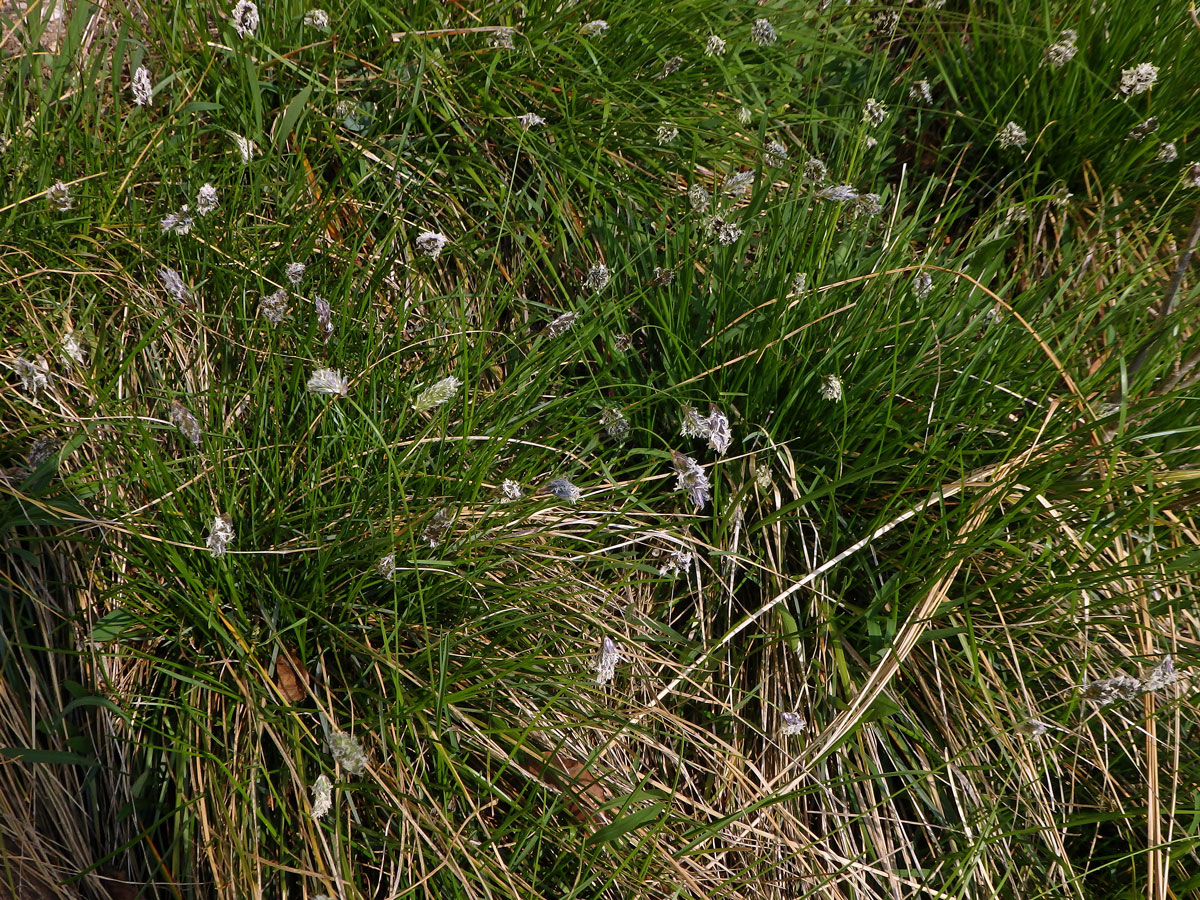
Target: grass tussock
(537,450)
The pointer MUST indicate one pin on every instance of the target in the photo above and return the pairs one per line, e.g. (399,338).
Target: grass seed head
(1138,80)
(530,120)
(699,198)
(594,28)
(431,243)
(597,278)
(1167,153)
(294,273)
(667,132)
(220,535)
(615,425)
(1012,135)
(178,222)
(322,796)
(59,196)
(173,282)
(874,112)
(714,46)
(564,490)
(831,388)
(347,753)
(206,199)
(437,394)
(188,425)
(34,374)
(606,661)
(317,18)
(274,306)
(140,86)
(691,479)
(244,18)
(763,33)
(328,381)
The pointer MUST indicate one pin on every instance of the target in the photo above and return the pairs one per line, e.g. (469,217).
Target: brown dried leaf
(291,676)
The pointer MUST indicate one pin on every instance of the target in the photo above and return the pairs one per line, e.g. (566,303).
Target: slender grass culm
(558,450)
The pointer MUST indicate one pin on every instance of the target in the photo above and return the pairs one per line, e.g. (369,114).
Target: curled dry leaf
(291,676)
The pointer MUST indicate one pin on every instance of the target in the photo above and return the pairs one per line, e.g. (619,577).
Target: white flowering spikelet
(744,115)
(679,562)
(793,723)
(431,243)
(324,315)
(597,278)
(874,112)
(318,19)
(142,89)
(322,796)
(920,92)
(775,154)
(727,232)
(692,424)
(1167,153)
(179,223)
(866,205)
(510,491)
(662,277)
(437,394)
(838,193)
(206,199)
(1012,135)
(245,148)
(799,282)
(274,306)
(922,285)
(347,753)
(328,381)
(530,120)
(738,183)
(1033,728)
(670,67)
(606,661)
(1138,80)
(439,526)
(35,374)
(1191,175)
(173,282)
(1161,676)
(244,18)
(563,489)
(1063,50)
(295,273)
(815,171)
(220,534)
(720,436)
(691,479)
(59,196)
(561,324)
(73,349)
(594,28)
(699,198)
(386,567)
(714,46)
(763,32)
(1142,130)
(667,132)
(831,388)
(615,425)
(503,38)
(188,425)
(1110,690)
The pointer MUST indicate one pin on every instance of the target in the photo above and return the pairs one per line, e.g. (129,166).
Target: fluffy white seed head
(59,196)
(594,28)
(220,535)
(318,19)
(597,278)
(763,32)
(831,388)
(1012,135)
(274,306)
(328,381)
(347,753)
(691,479)
(563,489)
(1138,80)
(206,200)
(140,86)
(188,425)
(606,660)
(244,18)
(437,393)
(714,46)
(431,243)
(322,796)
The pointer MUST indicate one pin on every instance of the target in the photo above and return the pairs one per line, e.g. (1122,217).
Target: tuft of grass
(865,666)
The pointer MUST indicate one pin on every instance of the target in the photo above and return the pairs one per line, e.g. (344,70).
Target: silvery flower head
(220,535)
(775,154)
(43,450)
(690,478)
(1161,676)
(763,32)
(714,46)
(206,199)
(59,196)
(1138,80)
(437,393)
(920,92)
(1110,690)
(430,243)
(667,132)
(698,197)
(173,282)
(1033,728)
(35,374)
(324,315)
(274,306)
(727,233)
(922,285)
(1191,175)
(866,205)
(502,38)
(793,723)
(245,148)
(597,278)
(615,425)
(799,282)
(606,661)
(1063,50)
(244,18)
(317,18)
(691,423)
(386,567)
(886,20)
(561,324)
(1167,153)
(594,28)
(738,183)
(744,115)
(623,343)
(322,796)
(439,526)
(180,222)
(831,388)
(328,381)
(679,562)
(670,67)
(295,273)
(1011,135)
(530,120)
(73,349)
(874,112)
(510,491)
(838,193)
(1140,131)
(870,142)
(1062,197)
(662,277)
(143,90)
(347,753)
(720,436)
(188,425)
(815,171)
(564,490)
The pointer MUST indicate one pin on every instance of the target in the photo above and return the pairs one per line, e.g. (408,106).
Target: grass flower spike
(143,90)
(220,535)
(1012,135)
(1138,80)
(347,753)
(597,278)
(318,19)
(431,243)
(59,196)
(762,32)
(188,425)
(322,796)
(691,479)
(206,200)
(594,28)
(714,46)
(437,393)
(328,381)
(831,388)
(564,490)
(606,661)
(244,18)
